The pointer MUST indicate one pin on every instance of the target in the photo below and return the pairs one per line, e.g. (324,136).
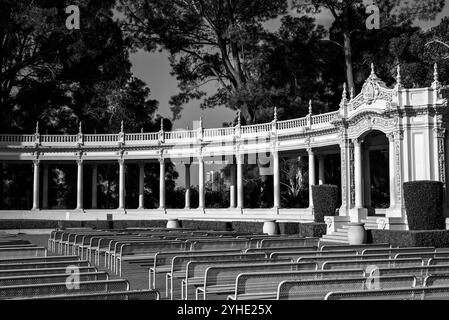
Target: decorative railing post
(121,135)
(200,130)
(37,136)
(344,103)
(309,116)
(274,122)
(238,127)
(80,135)
(161,137)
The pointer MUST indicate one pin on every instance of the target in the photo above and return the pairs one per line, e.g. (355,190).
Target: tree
(208,40)
(350,18)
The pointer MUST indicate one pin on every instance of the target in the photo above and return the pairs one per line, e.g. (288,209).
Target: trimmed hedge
(325,201)
(424,205)
(399,238)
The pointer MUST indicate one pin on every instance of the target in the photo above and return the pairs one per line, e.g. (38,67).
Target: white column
(94,185)
(187,185)
(240,198)
(311,175)
(391,170)
(141,185)
(321,172)
(358,173)
(121,189)
(45,188)
(232,186)
(35,185)
(161,183)
(276,180)
(79,185)
(201,190)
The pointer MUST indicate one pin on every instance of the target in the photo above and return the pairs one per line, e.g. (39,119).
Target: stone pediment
(375,96)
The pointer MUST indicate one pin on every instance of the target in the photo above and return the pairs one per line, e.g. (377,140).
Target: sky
(154,69)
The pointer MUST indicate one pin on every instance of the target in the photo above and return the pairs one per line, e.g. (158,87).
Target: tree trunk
(348,60)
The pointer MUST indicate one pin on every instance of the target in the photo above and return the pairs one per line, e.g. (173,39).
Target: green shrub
(424,205)
(325,201)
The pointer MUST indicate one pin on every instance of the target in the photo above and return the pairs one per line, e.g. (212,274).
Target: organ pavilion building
(407,125)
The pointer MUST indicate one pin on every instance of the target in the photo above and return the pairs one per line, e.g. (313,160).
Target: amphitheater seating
(318,289)
(220,279)
(263,285)
(218,264)
(432,293)
(13,252)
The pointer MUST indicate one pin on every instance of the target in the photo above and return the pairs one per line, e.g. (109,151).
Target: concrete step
(343,230)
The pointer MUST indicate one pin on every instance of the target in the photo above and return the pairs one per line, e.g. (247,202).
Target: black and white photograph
(223,155)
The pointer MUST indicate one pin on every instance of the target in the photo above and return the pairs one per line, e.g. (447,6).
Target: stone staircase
(340,236)
(371,222)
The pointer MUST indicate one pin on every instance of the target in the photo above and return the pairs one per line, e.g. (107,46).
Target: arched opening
(376,180)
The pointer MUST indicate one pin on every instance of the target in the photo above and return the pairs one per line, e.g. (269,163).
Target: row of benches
(26,272)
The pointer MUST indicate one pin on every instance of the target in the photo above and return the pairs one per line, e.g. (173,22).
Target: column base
(35,209)
(358,214)
(173,224)
(79,210)
(335,222)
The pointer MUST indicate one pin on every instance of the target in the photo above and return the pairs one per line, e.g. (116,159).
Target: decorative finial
(275,113)
(141,130)
(162,124)
(201,122)
(344,96)
(122,127)
(80,128)
(239,115)
(310,106)
(436,83)
(398,76)
(372,69)
(351,94)
(37,127)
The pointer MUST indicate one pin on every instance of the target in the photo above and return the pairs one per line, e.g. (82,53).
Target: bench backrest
(220,244)
(62,288)
(22,252)
(165,257)
(119,295)
(379,263)
(318,289)
(227,274)
(27,272)
(151,247)
(438,261)
(359,248)
(295,255)
(394,251)
(39,259)
(328,258)
(267,282)
(50,278)
(440,280)
(432,293)
(285,242)
(282,249)
(179,263)
(36,265)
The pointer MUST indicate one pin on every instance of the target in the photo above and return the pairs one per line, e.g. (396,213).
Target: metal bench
(433,293)
(39,259)
(394,251)
(62,288)
(264,285)
(36,265)
(359,248)
(420,272)
(318,289)
(34,271)
(12,252)
(379,263)
(162,261)
(285,242)
(438,280)
(295,255)
(179,266)
(219,244)
(119,295)
(320,260)
(220,279)
(50,278)
(438,261)
(282,249)
(128,252)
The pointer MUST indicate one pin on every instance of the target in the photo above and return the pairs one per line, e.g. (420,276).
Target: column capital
(239,158)
(161,160)
(310,151)
(36,162)
(121,161)
(141,165)
(439,132)
(79,162)
(357,142)
(94,165)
